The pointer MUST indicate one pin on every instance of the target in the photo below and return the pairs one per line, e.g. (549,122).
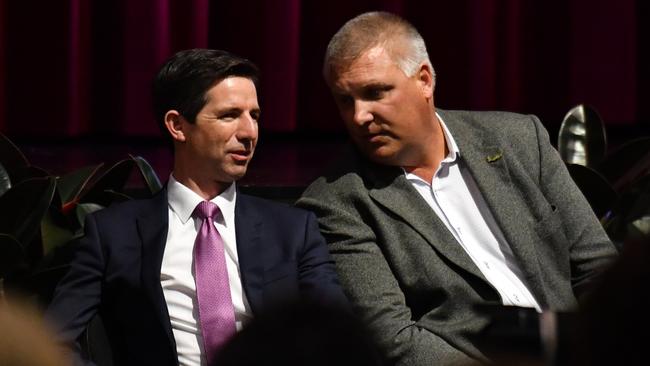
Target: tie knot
(206,209)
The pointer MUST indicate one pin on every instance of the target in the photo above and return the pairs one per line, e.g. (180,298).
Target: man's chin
(382,156)
(236,172)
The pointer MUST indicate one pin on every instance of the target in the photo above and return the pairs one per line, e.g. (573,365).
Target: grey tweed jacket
(408,277)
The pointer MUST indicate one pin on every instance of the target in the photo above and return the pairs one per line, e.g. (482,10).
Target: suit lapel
(153,227)
(393,191)
(484,154)
(248,228)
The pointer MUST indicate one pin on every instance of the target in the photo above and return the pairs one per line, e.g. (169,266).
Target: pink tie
(216,312)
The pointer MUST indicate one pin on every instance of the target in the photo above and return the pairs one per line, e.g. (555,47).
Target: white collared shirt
(455,198)
(177,275)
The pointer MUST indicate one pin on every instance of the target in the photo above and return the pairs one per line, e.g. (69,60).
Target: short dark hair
(184,79)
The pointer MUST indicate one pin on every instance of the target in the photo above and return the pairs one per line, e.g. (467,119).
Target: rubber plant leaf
(148,174)
(71,185)
(55,231)
(627,163)
(582,139)
(5,180)
(84,209)
(12,159)
(12,254)
(22,208)
(599,193)
(631,211)
(113,180)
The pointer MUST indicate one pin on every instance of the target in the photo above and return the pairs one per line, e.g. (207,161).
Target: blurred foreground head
(24,341)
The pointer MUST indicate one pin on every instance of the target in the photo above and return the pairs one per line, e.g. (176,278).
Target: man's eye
(345,99)
(376,93)
(228,116)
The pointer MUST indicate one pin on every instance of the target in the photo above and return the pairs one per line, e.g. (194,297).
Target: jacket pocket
(553,246)
(549,225)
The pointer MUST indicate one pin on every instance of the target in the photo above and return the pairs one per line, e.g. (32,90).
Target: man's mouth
(240,155)
(377,137)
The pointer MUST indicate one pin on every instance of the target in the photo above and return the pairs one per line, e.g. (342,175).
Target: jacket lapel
(484,154)
(393,191)
(152,227)
(248,228)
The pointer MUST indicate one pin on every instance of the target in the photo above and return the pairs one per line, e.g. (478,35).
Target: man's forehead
(370,67)
(375,55)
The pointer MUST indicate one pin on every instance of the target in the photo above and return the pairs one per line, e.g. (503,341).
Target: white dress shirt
(177,273)
(455,198)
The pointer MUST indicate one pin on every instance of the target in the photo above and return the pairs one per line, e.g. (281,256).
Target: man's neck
(206,188)
(436,150)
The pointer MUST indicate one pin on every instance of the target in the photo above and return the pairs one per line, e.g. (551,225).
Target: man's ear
(174,123)
(425,79)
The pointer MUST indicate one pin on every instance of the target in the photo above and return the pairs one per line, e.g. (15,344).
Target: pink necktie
(216,312)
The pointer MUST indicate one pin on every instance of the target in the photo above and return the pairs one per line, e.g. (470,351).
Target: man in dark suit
(436,211)
(157,269)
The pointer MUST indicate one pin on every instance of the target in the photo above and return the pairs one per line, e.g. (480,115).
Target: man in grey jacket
(436,211)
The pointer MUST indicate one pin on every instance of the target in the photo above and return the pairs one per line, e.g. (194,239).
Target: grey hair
(378,28)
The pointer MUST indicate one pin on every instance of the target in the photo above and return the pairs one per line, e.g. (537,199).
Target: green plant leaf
(46,274)
(5,180)
(582,139)
(12,254)
(23,207)
(55,233)
(642,225)
(33,172)
(630,212)
(84,209)
(13,160)
(148,174)
(627,163)
(72,184)
(113,180)
(598,192)
(117,196)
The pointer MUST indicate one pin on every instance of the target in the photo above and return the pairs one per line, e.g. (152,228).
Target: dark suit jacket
(408,277)
(116,272)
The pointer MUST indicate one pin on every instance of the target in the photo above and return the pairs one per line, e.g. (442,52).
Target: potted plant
(41,214)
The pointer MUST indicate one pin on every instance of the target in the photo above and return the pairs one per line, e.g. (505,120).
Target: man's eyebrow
(229,108)
(377,85)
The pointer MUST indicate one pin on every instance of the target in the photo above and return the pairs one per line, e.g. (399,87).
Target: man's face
(222,140)
(387,113)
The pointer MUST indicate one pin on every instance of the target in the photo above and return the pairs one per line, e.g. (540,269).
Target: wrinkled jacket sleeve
(371,285)
(590,249)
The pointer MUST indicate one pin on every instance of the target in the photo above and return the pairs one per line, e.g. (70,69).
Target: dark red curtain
(73,68)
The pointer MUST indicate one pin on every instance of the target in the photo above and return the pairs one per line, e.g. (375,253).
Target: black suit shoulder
(127,210)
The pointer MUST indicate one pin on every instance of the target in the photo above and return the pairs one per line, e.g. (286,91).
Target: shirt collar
(454,152)
(452,155)
(183,200)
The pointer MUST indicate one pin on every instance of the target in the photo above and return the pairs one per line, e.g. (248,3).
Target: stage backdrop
(75,68)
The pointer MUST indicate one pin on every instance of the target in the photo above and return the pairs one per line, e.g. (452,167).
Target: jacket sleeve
(317,275)
(370,284)
(78,294)
(590,249)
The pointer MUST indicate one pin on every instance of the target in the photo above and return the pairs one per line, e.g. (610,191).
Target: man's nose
(362,112)
(247,129)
